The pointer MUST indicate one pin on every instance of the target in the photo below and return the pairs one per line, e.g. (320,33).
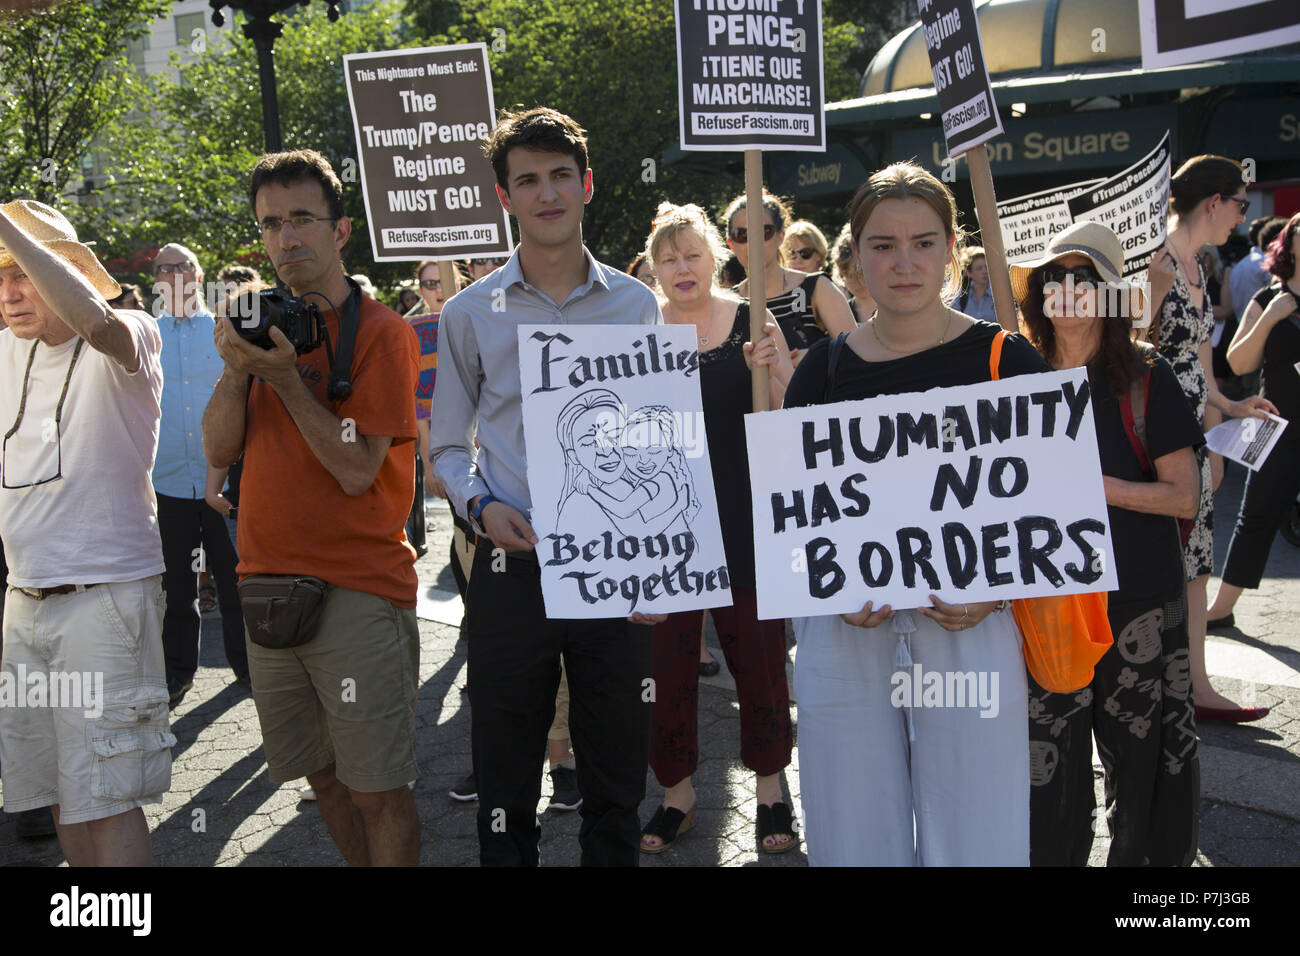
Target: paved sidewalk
(223,810)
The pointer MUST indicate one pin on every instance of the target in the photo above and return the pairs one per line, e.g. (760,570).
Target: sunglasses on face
(804,254)
(740,235)
(430,283)
(1242,204)
(1078,274)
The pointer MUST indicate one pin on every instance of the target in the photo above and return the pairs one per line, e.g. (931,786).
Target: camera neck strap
(340,381)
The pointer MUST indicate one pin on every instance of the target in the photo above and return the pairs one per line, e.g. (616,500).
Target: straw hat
(1091,239)
(51,228)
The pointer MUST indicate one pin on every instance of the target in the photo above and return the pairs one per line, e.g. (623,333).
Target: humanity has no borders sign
(421,118)
(961,80)
(749,74)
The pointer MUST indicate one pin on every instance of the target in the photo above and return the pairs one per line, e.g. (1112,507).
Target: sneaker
(465,790)
(564,785)
(176,692)
(306,793)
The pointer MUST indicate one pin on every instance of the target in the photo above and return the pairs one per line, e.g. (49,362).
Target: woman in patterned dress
(1207,199)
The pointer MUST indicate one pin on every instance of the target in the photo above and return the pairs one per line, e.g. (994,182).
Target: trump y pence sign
(618,471)
(973,493)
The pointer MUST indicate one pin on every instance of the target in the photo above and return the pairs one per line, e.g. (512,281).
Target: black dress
(793,312)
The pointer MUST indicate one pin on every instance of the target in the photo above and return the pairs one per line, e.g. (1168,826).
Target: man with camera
(540,160)
(80,385)
(328,578)
(194,535)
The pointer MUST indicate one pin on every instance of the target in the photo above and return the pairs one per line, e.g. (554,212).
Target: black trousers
(1270,496)
(1139,707)
(186,524)
(514,672)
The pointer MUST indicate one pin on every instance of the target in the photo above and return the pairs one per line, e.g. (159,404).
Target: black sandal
(776,820)
(667,824)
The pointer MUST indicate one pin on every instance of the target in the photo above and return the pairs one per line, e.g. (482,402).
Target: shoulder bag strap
(834,347)
(995,354)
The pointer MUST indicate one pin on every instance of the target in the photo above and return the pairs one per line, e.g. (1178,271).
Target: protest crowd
(163,458)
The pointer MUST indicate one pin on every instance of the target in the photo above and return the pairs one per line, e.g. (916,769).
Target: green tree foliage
(64,77)
(185,178)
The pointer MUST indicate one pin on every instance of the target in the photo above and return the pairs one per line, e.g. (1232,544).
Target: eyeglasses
(1078,274)
(272,225)
(168,268)
(1242,204)
(805,254)
(740,235)
(430,283)
(58,418)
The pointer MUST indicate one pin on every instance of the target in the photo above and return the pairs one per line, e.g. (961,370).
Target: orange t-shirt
(294,518)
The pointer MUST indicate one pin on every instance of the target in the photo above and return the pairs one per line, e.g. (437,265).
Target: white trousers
(889,785)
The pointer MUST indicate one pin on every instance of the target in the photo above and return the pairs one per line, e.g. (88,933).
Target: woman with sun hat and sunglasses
(1207,198)
(1138,704)
(806,307)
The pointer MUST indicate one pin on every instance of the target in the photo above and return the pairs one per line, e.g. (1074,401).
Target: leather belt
(40,594)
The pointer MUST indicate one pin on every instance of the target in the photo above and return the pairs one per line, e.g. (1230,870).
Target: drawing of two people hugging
(624,473)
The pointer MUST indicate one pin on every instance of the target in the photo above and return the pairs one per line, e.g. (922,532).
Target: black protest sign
(749,74)
(421,118)
(961,80)
(1175,32)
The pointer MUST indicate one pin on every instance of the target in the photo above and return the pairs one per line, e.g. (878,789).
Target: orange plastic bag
(1064,638)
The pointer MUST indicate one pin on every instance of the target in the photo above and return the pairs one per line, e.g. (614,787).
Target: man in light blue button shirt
(194,535)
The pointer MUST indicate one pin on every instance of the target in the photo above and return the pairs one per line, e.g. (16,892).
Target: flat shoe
(1221,623)
(709,668)
(1231,715)
(776,820)
(667,824)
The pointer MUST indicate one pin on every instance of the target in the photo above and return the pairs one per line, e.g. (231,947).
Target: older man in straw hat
(80,385)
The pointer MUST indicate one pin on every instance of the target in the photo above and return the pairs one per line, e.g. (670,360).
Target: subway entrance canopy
(1074,100)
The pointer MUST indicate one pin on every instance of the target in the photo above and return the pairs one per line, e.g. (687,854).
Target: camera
(253,314)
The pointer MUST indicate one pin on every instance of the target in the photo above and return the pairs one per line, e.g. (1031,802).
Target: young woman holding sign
(1138,705)
(872,775)
(1207,198)
(806,307)
(686,253)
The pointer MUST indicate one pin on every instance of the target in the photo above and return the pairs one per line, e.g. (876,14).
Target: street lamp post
(262,30)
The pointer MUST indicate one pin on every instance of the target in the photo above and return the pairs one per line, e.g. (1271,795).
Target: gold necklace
(872,322)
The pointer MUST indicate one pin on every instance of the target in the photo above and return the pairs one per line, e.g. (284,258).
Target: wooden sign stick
(446,275)
(756,268)
(995,253)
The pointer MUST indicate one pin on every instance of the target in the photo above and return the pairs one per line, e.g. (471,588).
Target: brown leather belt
(41,594)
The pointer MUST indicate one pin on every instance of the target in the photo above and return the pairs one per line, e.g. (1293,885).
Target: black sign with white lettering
(421,117)
(749,74)
(967,111)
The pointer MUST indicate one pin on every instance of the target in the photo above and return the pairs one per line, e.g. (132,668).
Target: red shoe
(1231,715)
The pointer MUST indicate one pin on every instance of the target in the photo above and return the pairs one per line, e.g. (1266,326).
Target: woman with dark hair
(642,270)
(806,307)
(1269,336)
(901,786)
(1137,705)
(1207,198)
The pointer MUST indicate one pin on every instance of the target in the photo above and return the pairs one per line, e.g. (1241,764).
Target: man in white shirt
(83,699)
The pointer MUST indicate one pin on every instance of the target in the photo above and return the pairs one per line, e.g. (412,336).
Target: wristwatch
(476,512)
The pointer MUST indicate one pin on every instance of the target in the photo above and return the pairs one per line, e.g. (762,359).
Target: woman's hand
(867,617)
(957,617)
(764,351)
(1256,406)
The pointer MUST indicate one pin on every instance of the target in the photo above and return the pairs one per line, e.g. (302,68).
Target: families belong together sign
(618,471)
(972,493)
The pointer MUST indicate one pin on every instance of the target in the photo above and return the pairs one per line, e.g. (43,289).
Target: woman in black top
(1138,705)
(1269,336)
(806,307)
(686,252)
(892,786)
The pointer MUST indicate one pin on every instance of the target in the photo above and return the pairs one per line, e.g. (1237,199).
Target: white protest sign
(973,493)
(1134,203)
(1029,222)
(618,471)
(1175,32)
